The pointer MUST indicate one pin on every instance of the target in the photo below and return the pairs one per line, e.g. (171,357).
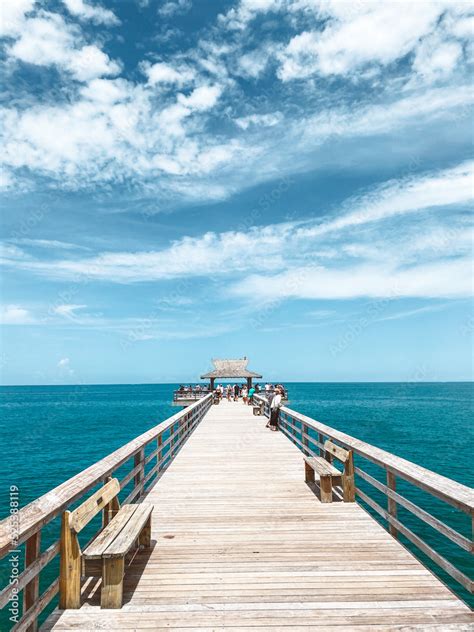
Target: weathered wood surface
(42,510)
(95,503)
(321,466)
(450,491)
(240,541)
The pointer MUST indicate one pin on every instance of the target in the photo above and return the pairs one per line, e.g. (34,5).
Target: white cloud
(409,195)
(64,365)
(202,98)
(436,59)
(446,279)
(254,63)
(90,62)
(173,7)
(371,34)
(15,315)
(13,14)
(47,40)
(319,258)
(68,310)
(52,244)
(238,17)
(374,32)
(263,120)
(163,73)
(414,312)
(86,11)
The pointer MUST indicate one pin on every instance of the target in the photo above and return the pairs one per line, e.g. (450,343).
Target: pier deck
(241,542)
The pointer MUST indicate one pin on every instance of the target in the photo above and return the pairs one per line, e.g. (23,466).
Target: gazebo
(230,369)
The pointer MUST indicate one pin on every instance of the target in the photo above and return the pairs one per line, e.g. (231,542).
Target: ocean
(50,433)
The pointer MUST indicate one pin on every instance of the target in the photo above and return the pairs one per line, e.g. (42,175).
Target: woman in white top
(274,410)
(244,392)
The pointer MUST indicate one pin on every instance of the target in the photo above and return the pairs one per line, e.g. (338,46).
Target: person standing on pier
(244,393)
(236,392)
(275,410)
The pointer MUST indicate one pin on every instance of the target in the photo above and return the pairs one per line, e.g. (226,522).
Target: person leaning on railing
(274,410)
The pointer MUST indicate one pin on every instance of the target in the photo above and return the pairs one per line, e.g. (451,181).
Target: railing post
(159,454)
(321,443)
(31,591)
(391,503)
(139,459)
(304,440)
(173,440)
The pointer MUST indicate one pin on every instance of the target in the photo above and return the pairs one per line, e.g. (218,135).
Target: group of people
(197,388)
(233,392)
(274,395)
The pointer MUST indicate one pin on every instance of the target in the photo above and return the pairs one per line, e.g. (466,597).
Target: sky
(287,180)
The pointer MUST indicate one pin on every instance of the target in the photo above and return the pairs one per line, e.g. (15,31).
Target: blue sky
(290,180)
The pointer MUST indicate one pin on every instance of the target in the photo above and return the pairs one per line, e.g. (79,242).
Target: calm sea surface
(48,434)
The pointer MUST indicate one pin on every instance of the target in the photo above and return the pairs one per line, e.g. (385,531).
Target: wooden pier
(240,541)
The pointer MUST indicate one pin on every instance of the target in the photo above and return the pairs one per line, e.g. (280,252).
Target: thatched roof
(230,368)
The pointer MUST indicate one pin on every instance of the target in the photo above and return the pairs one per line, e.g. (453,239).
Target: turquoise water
(48,434)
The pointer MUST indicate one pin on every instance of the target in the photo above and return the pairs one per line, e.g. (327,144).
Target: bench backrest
(335,450)
(83,514)
(347,458)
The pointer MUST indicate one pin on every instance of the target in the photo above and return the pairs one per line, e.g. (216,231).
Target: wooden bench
(258,409)
(124,528)
(330,476)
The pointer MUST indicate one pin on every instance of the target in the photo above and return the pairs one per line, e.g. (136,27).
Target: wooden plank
(321,466)
(129,532)
(31,591)
(139,462)
(336,451)
(69,566)
(105,538)
(81,516)
(391,503)
(111,594)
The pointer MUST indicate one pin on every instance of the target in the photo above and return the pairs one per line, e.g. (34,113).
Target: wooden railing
(27,525)
(309,435)
(190,395)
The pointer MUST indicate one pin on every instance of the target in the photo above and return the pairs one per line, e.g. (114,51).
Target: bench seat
(328,475)
(119,536)
(321,466)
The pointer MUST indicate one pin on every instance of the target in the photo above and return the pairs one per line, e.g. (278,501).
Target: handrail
(27,524)
(456,494)
(190,395)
